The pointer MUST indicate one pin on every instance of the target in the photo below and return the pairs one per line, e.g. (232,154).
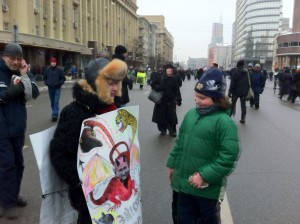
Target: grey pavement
(42,87)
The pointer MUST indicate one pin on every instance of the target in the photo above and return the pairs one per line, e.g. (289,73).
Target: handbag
(155,96)
(250,93)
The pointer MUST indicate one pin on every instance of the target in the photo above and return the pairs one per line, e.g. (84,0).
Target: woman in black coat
(164,113)
(90,99)
(286,83)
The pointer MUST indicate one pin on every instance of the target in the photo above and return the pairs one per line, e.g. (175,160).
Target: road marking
(25,146)
(225,212)
(30,105)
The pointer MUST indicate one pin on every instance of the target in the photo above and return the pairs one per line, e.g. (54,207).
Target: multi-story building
(285,24)
(217,33)
(233,64)
(146,49)
(296,21)
(287,44)
(73,31)
(165,41)
(222,55)
(256,23)
(216,38)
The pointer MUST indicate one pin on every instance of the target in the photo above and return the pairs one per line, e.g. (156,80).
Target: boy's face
(202,100)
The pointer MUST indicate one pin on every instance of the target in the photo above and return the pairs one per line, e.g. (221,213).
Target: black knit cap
(13,49)
(168,66)
(120,49)
(240,63)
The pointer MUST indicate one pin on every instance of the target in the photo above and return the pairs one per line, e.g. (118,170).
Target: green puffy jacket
(206,144)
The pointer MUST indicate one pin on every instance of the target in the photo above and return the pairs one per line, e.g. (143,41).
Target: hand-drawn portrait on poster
(108,164)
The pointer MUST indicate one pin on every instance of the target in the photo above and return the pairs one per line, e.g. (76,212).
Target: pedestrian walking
(93,96)
(54,78)
(199,74)
(15,89)
(239,87)
(148,75)
(164,113)
(141,77)
(121,101)
(296,82)
(257,85)
(73,72)
(285,83)
(277,75)
(198,177)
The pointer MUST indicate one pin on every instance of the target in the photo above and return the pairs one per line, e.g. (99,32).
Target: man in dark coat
(93,96)
(257,85)
(239,87)
(54,78)
(164,114)
(15,89)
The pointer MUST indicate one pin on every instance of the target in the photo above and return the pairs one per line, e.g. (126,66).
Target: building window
(294,44)
(63,12)
(37,30)
(6,26)
(75,19)
(36,4)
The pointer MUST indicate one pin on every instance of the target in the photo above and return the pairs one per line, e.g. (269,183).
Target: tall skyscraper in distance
(218,52)
(296,20)
(285,24)
(217,34)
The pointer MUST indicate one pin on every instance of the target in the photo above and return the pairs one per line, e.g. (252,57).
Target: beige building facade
(165,40)
(73,31)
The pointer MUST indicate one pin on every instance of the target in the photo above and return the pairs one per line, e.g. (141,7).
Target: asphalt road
(263,188)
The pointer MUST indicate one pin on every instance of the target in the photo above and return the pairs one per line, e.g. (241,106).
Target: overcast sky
(190,21)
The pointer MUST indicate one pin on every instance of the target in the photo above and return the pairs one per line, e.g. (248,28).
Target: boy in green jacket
(204,154)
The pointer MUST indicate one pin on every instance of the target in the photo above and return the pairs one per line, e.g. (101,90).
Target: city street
(263,189)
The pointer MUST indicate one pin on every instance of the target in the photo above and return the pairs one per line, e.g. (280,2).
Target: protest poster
(55,206)
(108,165)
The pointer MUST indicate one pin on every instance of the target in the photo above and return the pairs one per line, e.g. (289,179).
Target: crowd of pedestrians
(197,177)
(287,81)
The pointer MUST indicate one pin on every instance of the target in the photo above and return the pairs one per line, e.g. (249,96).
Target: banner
(109,165)
(55,207)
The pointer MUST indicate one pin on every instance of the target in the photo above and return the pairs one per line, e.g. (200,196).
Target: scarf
(207,110)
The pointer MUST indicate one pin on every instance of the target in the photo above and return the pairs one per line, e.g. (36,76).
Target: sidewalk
(42,87)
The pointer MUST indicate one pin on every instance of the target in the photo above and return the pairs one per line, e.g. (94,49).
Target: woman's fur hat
(98,73)
(115,70)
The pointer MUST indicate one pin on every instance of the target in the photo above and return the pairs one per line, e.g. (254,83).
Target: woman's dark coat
(64,145)
(124,99)
(286,83)
(165,112)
